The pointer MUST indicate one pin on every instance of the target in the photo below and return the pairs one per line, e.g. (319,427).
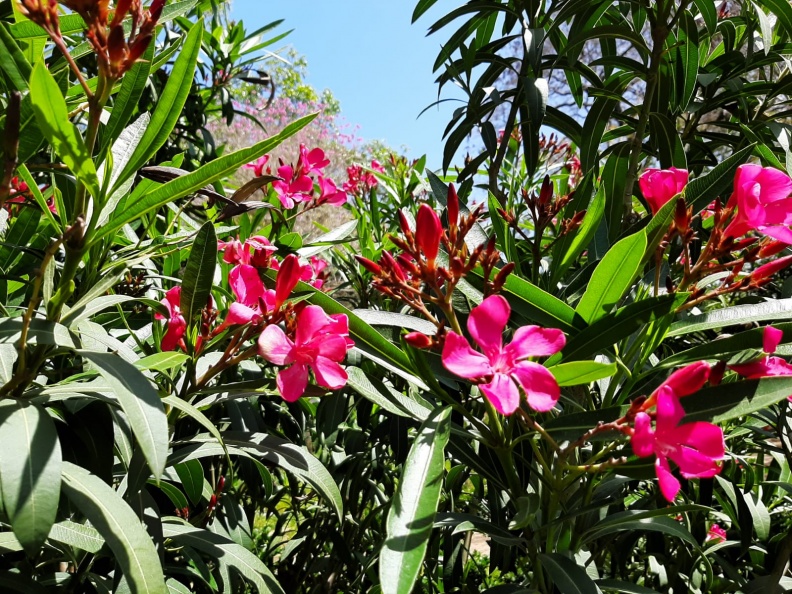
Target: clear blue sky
(375,62)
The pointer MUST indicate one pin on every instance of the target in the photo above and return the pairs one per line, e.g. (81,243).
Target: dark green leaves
(704,189)
(738,399)
(30,469)
(52,117)
(412,512)
(199,274)
(121,528)
(140,402)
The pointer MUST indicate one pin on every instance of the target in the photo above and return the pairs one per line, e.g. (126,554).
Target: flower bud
(428,232)
(546,193)
(404,224)
(716,373)
(681,216)
(288,277)
(772,248)
(418,340)
(771,268)
(658,186)
(372,267)
(452,206)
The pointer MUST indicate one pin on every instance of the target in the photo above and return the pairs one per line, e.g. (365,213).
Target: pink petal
(776,185)
(669,485)
(771,338)
(778,232)
(241,314)
(541,388)
(274,346)
(688,380)
(246,284)
(502,393)
(331,346)
(533,341)
(766,367)
(461,360)
(329,374)
(177,326)
(311,321)
(287,278)
(702,436)
(669,411)
(487,322)
(292,382)
(643,436)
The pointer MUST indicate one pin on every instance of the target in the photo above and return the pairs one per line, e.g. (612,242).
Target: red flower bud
(372,267)
(772,248)
(418,340)
(681,216)
(428,232)
(716,373)
(546,193)
(771,268)
(221,484)
(404,224)
(155,10)
(452,206)
(393,266)
(288,276)
(121,10)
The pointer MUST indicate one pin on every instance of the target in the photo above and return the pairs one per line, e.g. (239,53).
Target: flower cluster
(359,181)
(760,202)
(298,182)
(766,366)
(257,311)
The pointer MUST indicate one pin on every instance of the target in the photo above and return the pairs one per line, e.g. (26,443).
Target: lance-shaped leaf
(30,469)
(412,513)
(199,274)
(119,525)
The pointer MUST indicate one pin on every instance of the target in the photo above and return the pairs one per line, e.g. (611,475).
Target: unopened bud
(771,249)
(681,216)
(369,265)
(428,232)
(771,268)
(743,243)
(221,484)
(418,340)
(452,206)
(546,193)
(716,373)
(404,224)
(500,278)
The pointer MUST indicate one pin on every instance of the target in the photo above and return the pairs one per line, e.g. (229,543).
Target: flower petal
(487,322)
(246,284)
(776,185)
(292,382)
(643,436)
(533,341)
(461,360)
(669,411)
(689,379)
(669,485)
(310,322)
(274,346)
(329,374)
(331,346)
(177,326)
(541,388)
(241,314)
(502,393)
(771,338)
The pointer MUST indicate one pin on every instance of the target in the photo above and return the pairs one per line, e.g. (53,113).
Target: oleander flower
(762,197)
(659,186)
(500,371)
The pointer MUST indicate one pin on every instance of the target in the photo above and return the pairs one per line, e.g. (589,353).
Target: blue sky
(375,62)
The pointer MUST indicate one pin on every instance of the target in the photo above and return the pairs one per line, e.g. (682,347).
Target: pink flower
(500,369)
(695,447)
(329,193)
(292,189)
(258,165)
(683,382)
(377,166)
(761,195)
(235,252)
(766,366)
(359,181)
(320,344)
(715,534)
(312,161)
(177,325)
(658,186)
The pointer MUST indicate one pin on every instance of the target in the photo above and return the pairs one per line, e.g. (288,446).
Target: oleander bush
(556,366)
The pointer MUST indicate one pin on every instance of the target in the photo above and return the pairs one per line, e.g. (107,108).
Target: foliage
(575,385)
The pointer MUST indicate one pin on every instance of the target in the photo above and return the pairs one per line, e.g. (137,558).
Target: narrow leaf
(199,274)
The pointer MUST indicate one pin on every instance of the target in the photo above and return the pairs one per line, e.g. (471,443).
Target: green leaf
(775,310)
(86,308)
(581,372)
(783,11)
(649,521)
(119,525)
(162,361)
(666,140)
(736,399)
(717,182)
(414,506)
(24,174)
(188,184)
(52,118)
(15,582)
(30,469)
(39,332)
(77,535)
(567,575)
(140,402)
(170,104)
(293,458)
(12,61)
(617,326)
(687,60)
(22,230)
(191,474)
(571,245)
(421,7)
(614,179)
(612,277)
(128,96)
(384,396)
(624,587)
(199,274)
(227,552)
